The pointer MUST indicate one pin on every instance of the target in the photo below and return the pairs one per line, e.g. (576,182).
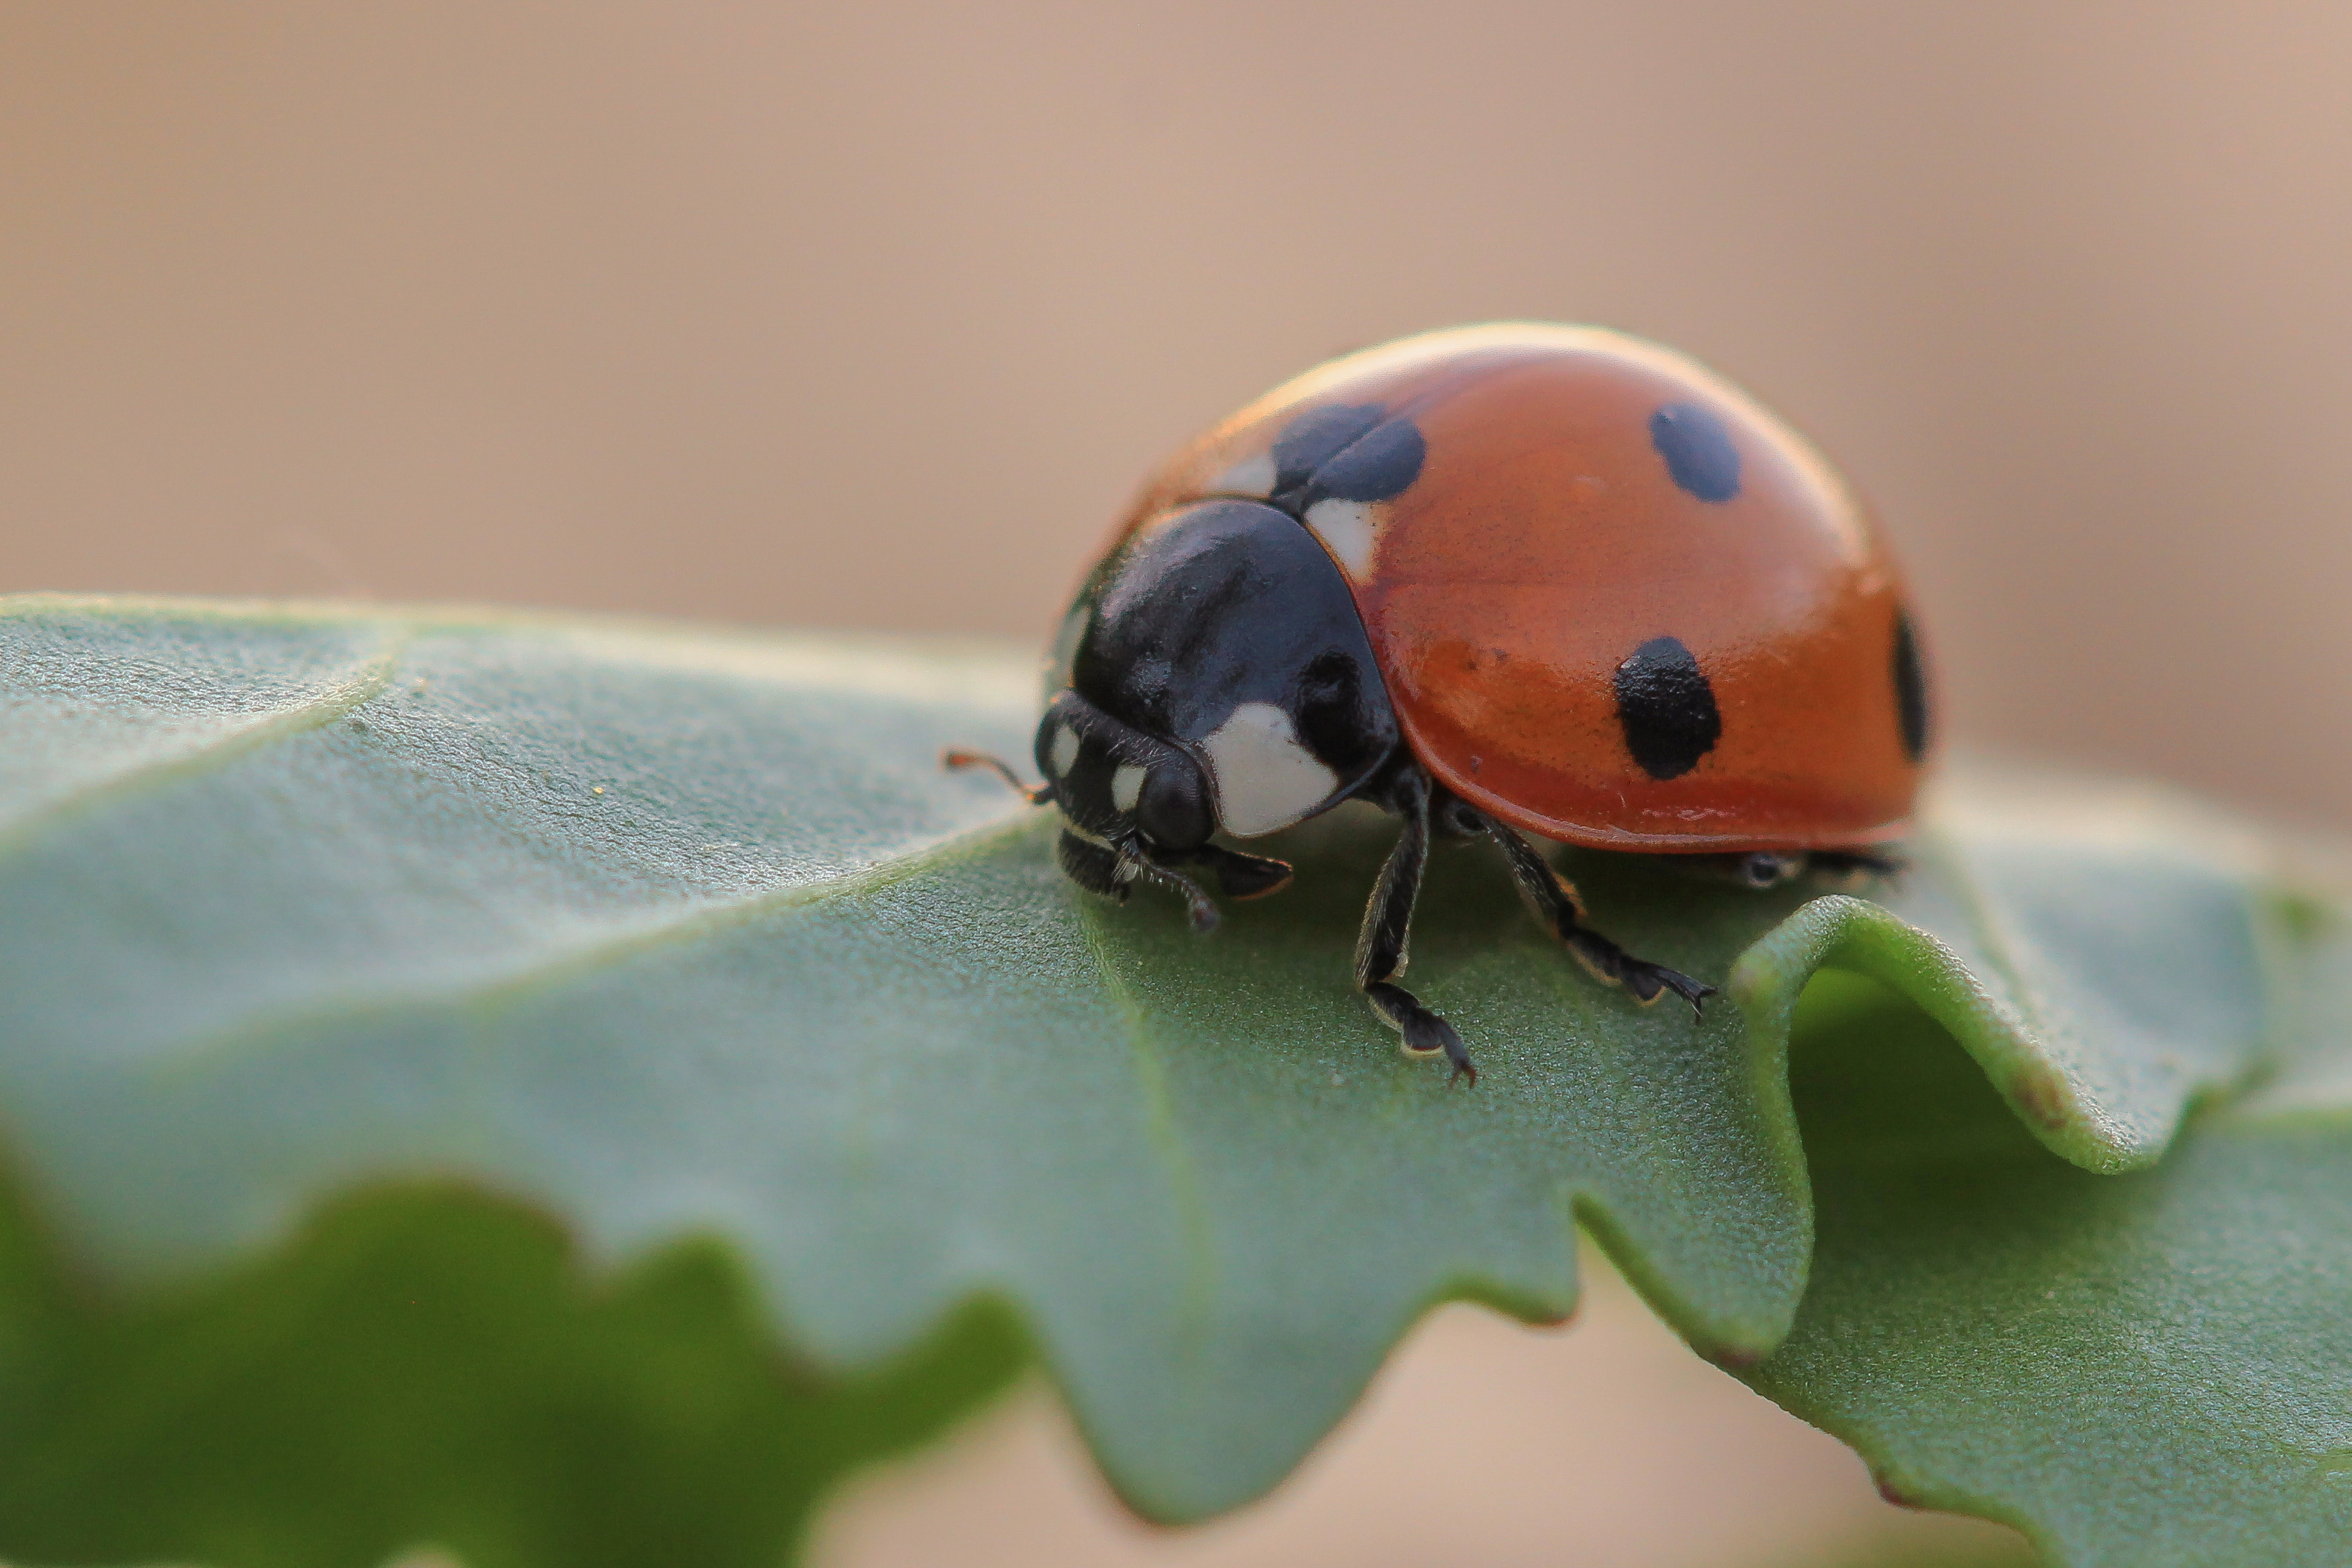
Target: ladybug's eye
(1172,807)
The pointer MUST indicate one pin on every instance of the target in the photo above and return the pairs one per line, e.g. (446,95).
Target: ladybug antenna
(956,761)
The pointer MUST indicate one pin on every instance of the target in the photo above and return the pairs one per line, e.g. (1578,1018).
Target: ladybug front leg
(1243,877)
(1554,902)
(1110,871)
(1135,860)
(1388,922)
(1092,866)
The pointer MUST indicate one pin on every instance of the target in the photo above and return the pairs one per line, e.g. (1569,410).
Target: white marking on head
(1250,477)
(1065,751)
(1347,531)
(1127,786)
(1265,778)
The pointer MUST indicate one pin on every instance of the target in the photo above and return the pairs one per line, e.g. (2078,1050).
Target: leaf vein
(551,969)
(368,681)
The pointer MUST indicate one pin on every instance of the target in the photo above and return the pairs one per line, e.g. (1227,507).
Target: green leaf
(2141,1371)
(2011,1554)
(2087,944)
(676,933)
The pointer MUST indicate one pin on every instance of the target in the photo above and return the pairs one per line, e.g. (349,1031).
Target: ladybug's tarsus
(1425,1034)
(1552,899)
(1673,980)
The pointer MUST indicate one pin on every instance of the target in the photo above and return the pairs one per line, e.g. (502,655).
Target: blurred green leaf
(683,934)
(426,1366)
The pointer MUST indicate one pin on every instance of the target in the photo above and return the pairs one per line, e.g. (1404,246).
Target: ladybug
(1500,581)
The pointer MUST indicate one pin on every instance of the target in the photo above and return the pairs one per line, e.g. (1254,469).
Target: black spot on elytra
(1910,687)
(1349,451)
(1666,709)
(1698,449)
(1317,437)
(1382,463)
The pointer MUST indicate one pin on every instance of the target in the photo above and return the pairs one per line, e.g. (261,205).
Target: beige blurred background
(871,315)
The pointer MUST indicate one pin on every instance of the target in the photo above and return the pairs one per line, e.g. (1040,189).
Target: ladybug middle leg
(1388,921)
(1554,902)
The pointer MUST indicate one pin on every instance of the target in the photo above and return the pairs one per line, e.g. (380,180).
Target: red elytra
(1589,501)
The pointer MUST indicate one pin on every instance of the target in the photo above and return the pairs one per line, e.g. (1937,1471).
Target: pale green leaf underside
(2148,1370)
(683,932)
(2151,1370)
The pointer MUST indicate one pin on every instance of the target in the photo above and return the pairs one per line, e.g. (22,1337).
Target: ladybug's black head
(1213,675)
(1113,782)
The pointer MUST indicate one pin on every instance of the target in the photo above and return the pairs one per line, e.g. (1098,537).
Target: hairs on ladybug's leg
(1111,873)
(1135,862)
(1553,901)
(956,761)
(1388,925)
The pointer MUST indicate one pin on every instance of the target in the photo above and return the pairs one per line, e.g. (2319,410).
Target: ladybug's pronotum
(1500,581)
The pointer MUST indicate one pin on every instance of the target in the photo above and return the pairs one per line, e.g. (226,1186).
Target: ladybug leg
(1760,869)
(1380,946)
(1111,871)
(1766,868)
(1135,862)
(1854,863)
(1553,901)
(1242,876)
(1092,866)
